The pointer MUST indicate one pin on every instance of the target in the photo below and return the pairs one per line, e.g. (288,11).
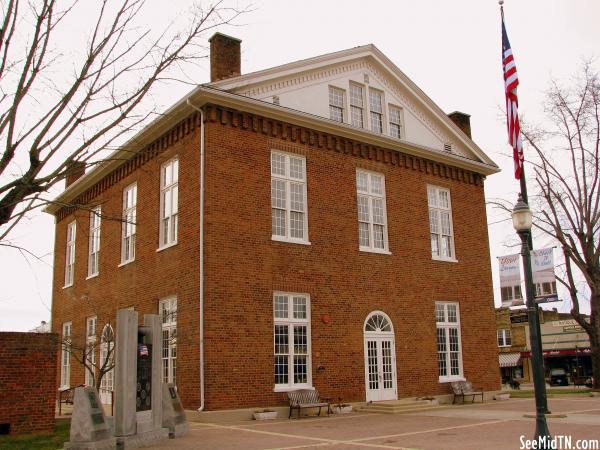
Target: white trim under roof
(203,95)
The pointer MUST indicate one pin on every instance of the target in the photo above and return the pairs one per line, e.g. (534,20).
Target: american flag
(511,81)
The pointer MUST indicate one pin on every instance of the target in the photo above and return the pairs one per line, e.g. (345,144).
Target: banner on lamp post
(510,280)
(544,278)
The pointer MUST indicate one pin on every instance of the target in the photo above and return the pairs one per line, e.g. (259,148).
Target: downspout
(201,408)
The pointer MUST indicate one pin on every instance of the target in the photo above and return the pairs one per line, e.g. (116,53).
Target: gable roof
(224,93)
(248,81)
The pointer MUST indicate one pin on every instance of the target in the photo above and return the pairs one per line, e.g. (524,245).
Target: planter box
(342,410)
(262,415)
(502,396)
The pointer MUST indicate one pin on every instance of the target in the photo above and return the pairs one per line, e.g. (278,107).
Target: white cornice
(204,94)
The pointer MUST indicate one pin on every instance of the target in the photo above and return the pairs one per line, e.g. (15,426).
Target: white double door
(380,368)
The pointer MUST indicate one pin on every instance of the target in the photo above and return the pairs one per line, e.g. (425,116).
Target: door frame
(379,336)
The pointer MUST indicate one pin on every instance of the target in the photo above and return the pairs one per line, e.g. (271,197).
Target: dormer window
(356,105)
(336,104)
(376,108)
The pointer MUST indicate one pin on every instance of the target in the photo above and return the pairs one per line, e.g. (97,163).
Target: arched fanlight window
(378,322)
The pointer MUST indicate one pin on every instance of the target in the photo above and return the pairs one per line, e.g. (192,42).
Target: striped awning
(509,359)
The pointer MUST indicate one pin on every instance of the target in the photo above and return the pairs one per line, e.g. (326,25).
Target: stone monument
(173,413)
(138,392)
(89,429)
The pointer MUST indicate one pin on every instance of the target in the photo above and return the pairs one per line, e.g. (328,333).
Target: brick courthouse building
(343,243)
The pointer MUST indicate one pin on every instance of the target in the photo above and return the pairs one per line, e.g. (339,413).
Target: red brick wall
(27,381)
(243,266)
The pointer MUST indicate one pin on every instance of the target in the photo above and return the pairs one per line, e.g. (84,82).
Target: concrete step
(399,406)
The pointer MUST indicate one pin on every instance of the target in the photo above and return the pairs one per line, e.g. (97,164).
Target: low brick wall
(27,381)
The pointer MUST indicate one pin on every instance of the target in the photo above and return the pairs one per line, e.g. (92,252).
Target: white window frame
(504,337)
(371,197)
(128,231)
(91,324)
(290,322)
(171,190)
(167,309)
(65,359)
(373,113)
(545,288)
(288,180)
(94,244)
(446,325)
(334,105)
(357,104)
(396,126)
(70,254)
(508,293)
(435,222)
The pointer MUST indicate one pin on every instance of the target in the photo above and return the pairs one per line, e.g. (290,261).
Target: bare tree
(97,356)
(566,170)
(56,109)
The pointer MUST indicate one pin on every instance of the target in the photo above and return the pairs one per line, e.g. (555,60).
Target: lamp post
(522,221)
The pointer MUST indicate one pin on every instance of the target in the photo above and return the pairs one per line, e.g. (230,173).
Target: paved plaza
(497,425)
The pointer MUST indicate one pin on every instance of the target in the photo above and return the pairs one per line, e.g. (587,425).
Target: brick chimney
(74,172)
(462,120)
(225,59)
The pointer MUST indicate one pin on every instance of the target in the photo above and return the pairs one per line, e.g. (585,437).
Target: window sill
(94,275)
(292,388)
(374,250)
(289,241)
(67,286)
(124,263)
(451,379)
(164,247)
(505,346)
(439,258)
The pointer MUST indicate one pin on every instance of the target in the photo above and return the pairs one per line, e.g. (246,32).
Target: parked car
(558,377)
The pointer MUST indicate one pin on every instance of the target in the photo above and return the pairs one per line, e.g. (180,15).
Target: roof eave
(204,94)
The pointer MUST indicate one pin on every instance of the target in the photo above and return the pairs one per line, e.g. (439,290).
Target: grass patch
(52,441)
(549,392)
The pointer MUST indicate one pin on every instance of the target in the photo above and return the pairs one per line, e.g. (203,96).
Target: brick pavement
(496,425)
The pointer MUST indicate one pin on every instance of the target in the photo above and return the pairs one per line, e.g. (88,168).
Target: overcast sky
(451,50)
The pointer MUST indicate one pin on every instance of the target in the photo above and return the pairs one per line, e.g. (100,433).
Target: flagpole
(542,434)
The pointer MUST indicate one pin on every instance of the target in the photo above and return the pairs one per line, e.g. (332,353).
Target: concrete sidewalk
(498,425)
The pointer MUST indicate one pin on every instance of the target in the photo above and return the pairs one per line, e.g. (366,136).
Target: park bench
(306,398)
(465,388)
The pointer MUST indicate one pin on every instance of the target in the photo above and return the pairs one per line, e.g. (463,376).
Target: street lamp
(522,222)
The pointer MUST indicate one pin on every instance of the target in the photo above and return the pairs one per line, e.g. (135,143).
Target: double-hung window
(372,216)
(129,223)
(356,105)
(504,338)
(396,122)
(288,198)
(70,256)
(440,223)
(291,340)
(169,184)
(449,350)
(65,359)
(168,313)
(376,109)
(509,293)
(90,350)
(94,251)
(336,104)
